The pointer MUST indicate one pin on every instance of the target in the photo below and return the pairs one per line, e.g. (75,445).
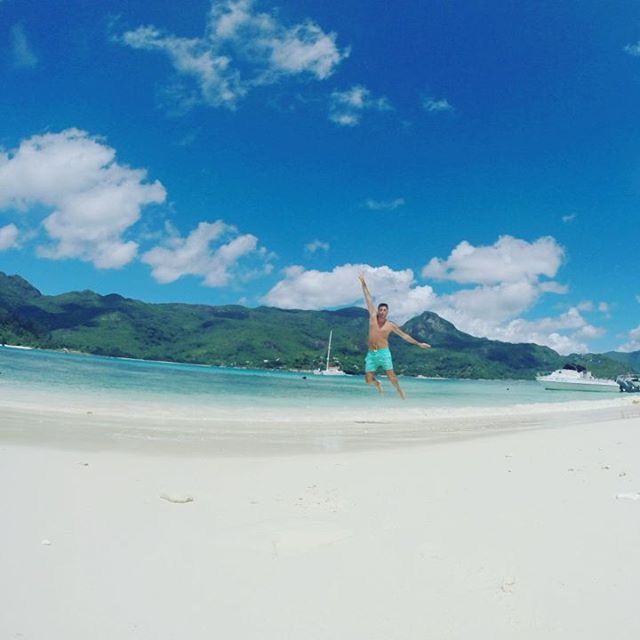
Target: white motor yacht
(574,377)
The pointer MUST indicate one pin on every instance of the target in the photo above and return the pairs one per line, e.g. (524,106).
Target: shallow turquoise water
(73,374)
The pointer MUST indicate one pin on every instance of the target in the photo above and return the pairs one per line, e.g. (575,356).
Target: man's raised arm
(407,338)
(367,295)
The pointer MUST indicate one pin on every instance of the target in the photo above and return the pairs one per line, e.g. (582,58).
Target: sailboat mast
(329,349)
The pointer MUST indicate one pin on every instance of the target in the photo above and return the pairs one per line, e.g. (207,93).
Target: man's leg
(370,378)
(393,378)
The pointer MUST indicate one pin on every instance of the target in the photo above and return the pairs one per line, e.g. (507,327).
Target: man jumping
(379,355)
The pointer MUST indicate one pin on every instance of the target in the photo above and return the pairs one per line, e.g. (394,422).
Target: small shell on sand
(177,499)
(628,496)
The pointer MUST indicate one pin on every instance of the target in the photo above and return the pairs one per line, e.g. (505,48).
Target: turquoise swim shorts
(378,359)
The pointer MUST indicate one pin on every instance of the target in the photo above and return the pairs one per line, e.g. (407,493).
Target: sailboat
(330,370)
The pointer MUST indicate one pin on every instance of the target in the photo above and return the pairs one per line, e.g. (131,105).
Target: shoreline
(144,427)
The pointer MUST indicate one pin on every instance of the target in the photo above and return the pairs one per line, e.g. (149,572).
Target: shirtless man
(379,330)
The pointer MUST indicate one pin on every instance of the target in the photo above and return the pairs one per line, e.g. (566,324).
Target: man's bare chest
(382,331)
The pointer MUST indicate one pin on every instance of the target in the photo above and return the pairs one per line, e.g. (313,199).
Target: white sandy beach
(356,528)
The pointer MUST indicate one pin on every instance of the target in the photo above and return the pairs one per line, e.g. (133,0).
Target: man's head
(383,311)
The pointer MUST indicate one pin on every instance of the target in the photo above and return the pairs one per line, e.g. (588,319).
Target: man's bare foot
(378,386)
(401,392)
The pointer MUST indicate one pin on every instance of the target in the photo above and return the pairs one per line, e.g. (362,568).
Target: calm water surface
(65,374)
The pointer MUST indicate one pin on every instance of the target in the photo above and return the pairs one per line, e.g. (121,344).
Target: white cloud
(317,245)
(588,305)
(564,333)
(550,286)
(311,289)
(94,199)
(492,309)
(217,82)
(508,274)
(633,49)
(433,105)
(23,54)
(589,331)
(489,305)
(346,107)
(8,237)
(494,312)
(241,49)
(508,260)
(305,48)
(212,250)
(638,298)
(570,217)
(95,203)
(384,205)
(634,341)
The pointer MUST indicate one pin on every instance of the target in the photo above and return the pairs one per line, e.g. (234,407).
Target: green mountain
(265,337)
(630,360)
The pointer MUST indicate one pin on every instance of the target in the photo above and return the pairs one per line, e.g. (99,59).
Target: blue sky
(480,160)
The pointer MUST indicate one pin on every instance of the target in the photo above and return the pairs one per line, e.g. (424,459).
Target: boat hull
(579,386)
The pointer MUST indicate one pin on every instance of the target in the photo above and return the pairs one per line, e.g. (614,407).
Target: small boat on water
(330,369)
(575,377)
(629,382)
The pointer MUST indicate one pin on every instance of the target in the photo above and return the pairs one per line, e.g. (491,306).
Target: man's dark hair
(383,304)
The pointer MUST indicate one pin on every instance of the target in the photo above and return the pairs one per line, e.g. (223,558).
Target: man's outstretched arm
(407,338)
(367,295)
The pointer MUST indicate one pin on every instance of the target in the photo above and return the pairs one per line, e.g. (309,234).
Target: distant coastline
(264,338)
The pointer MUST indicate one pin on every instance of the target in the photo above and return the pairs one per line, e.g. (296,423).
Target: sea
(49,375)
